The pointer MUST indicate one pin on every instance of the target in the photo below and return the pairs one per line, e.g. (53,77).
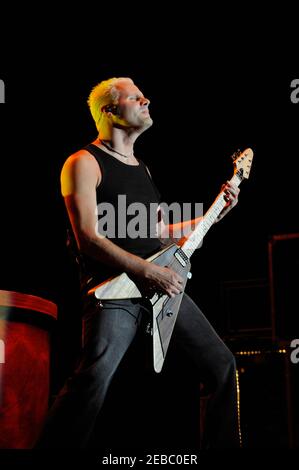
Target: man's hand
(158,279)
(231,197)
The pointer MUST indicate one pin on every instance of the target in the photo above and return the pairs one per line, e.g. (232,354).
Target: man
(100,173)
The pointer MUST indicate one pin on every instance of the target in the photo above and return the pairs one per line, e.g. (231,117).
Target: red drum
(25,322)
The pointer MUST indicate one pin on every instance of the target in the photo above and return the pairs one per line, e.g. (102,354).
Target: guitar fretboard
(209,218)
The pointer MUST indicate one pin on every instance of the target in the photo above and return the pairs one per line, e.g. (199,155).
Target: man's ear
(111,108)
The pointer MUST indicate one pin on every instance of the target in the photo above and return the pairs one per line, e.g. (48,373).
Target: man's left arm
(178,233)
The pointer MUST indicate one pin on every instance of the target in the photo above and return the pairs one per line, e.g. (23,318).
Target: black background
(208,98)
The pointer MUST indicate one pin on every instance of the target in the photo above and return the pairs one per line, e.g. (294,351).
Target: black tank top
(129,184)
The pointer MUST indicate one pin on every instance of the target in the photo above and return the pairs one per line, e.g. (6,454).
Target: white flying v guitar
(164,308)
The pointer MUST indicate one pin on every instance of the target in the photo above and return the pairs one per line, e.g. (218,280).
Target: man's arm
(179,232)
(175,233)
(80,177)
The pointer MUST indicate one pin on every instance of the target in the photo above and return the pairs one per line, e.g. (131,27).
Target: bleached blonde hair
(104,93)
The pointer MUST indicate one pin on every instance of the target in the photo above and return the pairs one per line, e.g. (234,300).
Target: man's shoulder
(80,158)
(80,164)
(79,170)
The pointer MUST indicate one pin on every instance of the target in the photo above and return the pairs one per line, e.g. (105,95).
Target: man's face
(133,106)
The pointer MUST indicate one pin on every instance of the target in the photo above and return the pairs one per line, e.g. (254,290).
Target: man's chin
(145,124)
(148,122)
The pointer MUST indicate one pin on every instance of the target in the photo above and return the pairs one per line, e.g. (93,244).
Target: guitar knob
(189,275)
(169,313)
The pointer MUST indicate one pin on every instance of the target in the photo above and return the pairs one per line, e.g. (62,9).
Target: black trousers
(108,331)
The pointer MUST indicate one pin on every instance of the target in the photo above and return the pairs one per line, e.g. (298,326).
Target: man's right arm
(80,177)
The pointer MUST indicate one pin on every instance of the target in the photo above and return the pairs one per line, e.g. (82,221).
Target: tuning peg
(236,154)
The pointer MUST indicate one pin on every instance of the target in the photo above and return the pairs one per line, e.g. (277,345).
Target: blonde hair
(105,92)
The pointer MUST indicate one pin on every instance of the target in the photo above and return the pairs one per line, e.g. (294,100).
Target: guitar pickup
(179,256)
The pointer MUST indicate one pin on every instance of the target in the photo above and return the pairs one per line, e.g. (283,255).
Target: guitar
(164,308)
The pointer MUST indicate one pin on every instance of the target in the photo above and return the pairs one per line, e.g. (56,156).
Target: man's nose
(145,102)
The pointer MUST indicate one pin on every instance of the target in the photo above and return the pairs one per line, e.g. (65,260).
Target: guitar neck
(195,239)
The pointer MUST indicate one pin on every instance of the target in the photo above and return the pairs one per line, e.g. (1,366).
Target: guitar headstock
(243,162)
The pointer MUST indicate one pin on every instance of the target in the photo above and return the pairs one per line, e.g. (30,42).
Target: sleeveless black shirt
(129,184)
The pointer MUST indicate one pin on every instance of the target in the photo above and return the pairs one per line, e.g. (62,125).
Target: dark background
(204,108)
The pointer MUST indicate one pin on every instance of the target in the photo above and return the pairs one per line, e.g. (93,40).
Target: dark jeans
(108,331)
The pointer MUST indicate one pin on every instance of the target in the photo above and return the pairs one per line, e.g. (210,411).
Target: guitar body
(165,308)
